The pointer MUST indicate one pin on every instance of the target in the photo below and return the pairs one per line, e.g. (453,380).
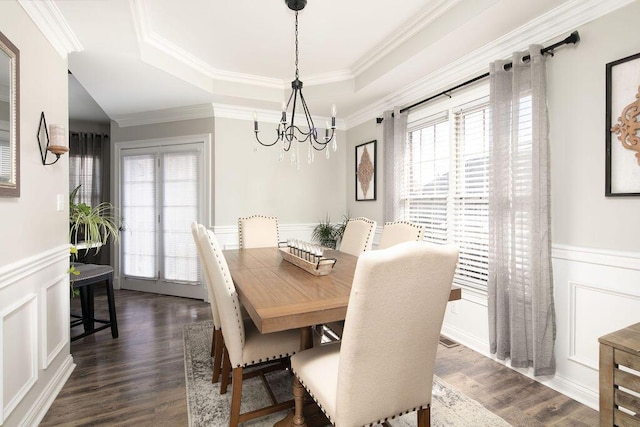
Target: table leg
(311,415)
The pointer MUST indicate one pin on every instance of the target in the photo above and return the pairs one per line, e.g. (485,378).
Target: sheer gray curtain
(89,166)
(521,307)
(395,136)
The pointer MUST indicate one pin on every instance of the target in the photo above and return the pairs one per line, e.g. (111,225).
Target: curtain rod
(573,38)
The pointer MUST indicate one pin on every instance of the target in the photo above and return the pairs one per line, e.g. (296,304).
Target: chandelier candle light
(287,133)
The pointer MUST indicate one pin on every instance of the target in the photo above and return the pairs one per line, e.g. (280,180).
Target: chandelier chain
(297,45)
(287,131)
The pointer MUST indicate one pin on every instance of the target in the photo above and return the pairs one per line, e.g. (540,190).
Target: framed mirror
(9,118)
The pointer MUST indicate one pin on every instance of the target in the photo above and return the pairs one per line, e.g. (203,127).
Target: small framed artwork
(623,127)
(366,171)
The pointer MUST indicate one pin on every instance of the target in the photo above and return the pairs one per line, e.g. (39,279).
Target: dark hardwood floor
(138,378)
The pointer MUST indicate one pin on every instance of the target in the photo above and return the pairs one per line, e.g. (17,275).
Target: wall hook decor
(51,139)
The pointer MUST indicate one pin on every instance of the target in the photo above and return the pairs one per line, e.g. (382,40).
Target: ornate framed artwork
(623,127)
(366,171)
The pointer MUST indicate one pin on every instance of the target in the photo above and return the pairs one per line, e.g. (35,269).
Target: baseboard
(45,400)
(558,383)
(465,339)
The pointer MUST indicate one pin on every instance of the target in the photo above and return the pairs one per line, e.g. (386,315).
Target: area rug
(207,407)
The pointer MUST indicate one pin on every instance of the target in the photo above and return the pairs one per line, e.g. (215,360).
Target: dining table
(278,296)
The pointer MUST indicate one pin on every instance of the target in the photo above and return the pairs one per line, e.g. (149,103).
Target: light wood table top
(280,296)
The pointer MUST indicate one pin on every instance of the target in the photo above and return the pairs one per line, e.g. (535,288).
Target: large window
(446,184)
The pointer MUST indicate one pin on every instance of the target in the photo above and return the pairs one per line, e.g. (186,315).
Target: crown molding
(147,36)
(206,111)
(412,27)
(227,111)
(557,22)
(48,18)
(192,112)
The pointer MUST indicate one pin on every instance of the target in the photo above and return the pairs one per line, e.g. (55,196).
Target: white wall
(251,180)
(596,249)
(34,250)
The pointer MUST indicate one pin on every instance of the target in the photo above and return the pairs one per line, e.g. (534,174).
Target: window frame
(449,109)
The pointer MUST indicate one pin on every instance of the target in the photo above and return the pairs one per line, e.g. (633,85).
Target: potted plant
(325,233)
(92,226)
(339,228)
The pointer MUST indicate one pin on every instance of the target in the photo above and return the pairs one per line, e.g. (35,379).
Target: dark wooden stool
(91,275)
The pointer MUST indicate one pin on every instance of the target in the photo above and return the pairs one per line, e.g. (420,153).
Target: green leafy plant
(72,270)
(93,226)
(327,233)
(341,227)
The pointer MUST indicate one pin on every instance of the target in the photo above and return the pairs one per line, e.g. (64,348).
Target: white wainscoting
(228,235)
(19,343)
(596,292)
(34,335)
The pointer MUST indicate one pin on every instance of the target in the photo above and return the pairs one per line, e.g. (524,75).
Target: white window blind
(5,164)
(446,185)
(139,215)
(81,172)
(471,196)
(180,207)
(426,186)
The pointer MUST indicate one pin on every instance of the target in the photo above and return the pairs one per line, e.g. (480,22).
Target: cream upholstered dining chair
(383,367)
(258,231)
(399,232)
(217,342)
(358,236)
(244,345)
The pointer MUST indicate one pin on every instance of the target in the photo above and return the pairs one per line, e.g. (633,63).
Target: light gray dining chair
(217,341)
(399,232)
(258,231)
(383,367)
(244,344)
(358,236)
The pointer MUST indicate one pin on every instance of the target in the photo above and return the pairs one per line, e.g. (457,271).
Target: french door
(161,194)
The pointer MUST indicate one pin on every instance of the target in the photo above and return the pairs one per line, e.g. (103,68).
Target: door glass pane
(139,216)
(180,209)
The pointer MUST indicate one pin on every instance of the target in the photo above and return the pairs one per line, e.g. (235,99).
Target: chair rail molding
(607,257)
(18,270)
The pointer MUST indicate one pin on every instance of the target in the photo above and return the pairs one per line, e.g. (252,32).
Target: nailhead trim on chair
(253,362)
(370,235)
(257,216)
(366,425)
(232,291)
(412,224)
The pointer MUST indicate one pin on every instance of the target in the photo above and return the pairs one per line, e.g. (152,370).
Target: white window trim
(207,175)
(462,100)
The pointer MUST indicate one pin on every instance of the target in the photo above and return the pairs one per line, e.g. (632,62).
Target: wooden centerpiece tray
(321,267)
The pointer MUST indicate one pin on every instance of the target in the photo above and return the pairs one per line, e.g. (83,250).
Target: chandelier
(288,132)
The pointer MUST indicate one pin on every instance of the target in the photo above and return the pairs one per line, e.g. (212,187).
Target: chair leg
(236,397)
(226,370)
(298,397)
(217,355)
(213,341)
(424,417)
